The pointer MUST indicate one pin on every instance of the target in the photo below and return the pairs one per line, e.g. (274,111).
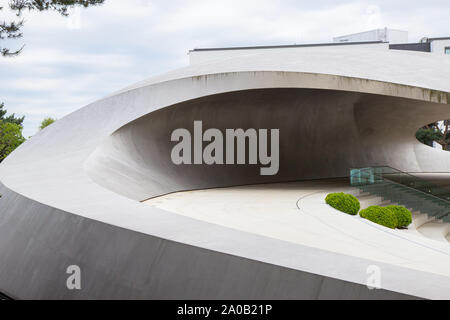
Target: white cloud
(69,62)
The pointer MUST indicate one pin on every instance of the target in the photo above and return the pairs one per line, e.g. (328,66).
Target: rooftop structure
(379,39)
(384,35)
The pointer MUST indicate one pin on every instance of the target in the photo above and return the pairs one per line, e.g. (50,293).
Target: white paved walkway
(297,212)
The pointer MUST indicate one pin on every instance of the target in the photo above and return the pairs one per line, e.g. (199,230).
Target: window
(447,50)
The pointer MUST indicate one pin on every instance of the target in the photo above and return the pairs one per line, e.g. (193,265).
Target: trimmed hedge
(404,216)
(344,202)
(382,216)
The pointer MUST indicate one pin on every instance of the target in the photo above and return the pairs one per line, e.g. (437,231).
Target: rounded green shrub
(344,202)
(404,216)
(382,216)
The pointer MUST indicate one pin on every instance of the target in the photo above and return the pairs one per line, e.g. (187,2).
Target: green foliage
(11,118)
(438,132)
(60,6)
(428,135)
(46,122)
(12,30)
(2,111)
(404,216)
(10,132)
(10,138)
(344,202)
(381,216)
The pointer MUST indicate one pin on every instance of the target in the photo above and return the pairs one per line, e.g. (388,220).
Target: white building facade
(373,40)
(385,35)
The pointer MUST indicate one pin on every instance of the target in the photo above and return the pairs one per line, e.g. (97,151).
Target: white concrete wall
(397,36)
(438,46)
(372,35)
(386,35)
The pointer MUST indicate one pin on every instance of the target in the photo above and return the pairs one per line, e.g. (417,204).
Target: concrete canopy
(92,168)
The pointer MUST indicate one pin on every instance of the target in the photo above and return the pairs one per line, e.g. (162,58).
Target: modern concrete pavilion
(76,193)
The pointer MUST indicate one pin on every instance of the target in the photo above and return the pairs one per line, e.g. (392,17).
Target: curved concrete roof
(62,165)
(415,69)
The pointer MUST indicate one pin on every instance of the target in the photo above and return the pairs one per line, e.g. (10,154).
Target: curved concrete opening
(427,137)
(323,133)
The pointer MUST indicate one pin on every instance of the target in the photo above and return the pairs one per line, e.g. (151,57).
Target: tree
(428,136)
(12,30)
(46,122)
(444,129)
(10,132)
(10,138)
(438,132)
(11,118)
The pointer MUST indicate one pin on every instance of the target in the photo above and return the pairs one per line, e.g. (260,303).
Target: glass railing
(404,189)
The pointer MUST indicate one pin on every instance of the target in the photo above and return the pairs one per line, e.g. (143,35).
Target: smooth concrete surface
(297,213)
(39,242)
(97,162)
(355,130)
(202,56)
(436,230)
(439,46)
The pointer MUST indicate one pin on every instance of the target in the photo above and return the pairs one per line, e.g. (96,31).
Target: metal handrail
(382,176)
(429,185)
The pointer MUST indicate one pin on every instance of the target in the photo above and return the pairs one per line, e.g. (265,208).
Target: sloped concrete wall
(117,263)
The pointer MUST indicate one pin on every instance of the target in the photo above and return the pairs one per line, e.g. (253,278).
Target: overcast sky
(70,62)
